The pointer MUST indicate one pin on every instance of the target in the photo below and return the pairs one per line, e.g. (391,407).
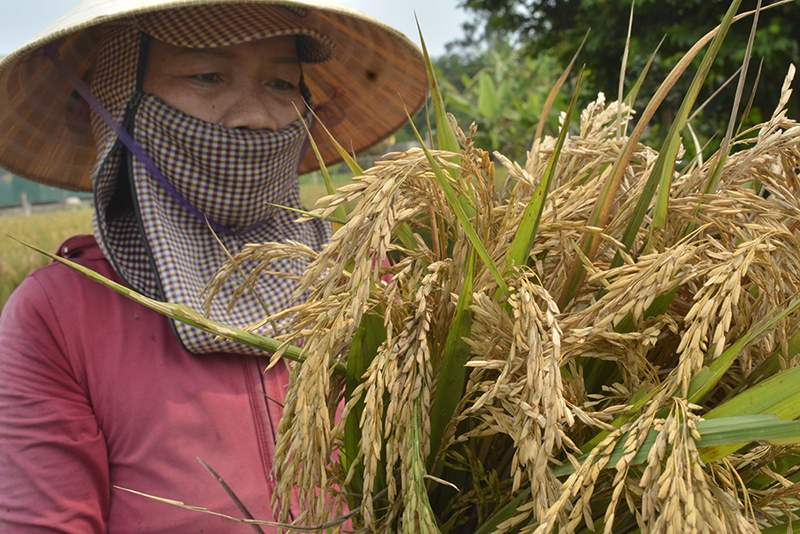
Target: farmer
(184,119)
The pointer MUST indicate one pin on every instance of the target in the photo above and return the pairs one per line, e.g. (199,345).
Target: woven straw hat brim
(361,92)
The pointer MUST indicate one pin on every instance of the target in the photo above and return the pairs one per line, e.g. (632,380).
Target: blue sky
(440,20)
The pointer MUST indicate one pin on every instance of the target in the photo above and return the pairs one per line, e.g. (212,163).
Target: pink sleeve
(53,459)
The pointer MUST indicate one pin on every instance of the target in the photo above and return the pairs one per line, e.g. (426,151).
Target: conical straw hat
(361,91)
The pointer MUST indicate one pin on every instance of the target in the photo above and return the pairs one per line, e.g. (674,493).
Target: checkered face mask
(233,177)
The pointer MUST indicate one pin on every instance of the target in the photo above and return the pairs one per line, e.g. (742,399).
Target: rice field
(45,230)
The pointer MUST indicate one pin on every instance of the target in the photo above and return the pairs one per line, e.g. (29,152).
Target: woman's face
(253,85)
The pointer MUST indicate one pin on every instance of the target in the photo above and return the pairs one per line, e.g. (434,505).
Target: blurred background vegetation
(45,230)
(542,36)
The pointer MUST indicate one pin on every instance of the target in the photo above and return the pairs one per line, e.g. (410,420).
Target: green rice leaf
(406,236)
(505,513)
(520,248)
(445,136)
(490,100)
(369,336)
(792,526)
(708,377)
(418,516)
(769,367)
(747,429)
(351,163)
(339,213)
(715,433)
(665,163)
(452,370)
(630,99)
(725,146)
(779,397)
(461,215)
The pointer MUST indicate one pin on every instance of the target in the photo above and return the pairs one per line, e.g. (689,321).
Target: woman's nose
(252,109)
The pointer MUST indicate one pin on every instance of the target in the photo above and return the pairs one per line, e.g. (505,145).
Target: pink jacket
(95,394)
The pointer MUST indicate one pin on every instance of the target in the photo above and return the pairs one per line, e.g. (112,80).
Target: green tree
(558,26)
(503,91)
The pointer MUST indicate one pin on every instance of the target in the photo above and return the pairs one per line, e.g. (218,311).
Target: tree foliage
(558,26)
(500,89)
(503,92)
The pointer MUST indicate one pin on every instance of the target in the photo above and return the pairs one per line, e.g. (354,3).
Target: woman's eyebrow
(216,52)
(226,55)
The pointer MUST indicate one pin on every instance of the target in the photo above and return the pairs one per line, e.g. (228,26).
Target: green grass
(312,186)
(48,230)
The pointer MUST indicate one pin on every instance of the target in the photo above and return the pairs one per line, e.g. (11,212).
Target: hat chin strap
(69,75)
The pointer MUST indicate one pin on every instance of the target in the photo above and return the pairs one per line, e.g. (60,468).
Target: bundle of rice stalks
(608,341)
(655,396)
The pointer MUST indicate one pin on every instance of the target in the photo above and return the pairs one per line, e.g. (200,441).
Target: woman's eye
(210,77)
(282,85)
